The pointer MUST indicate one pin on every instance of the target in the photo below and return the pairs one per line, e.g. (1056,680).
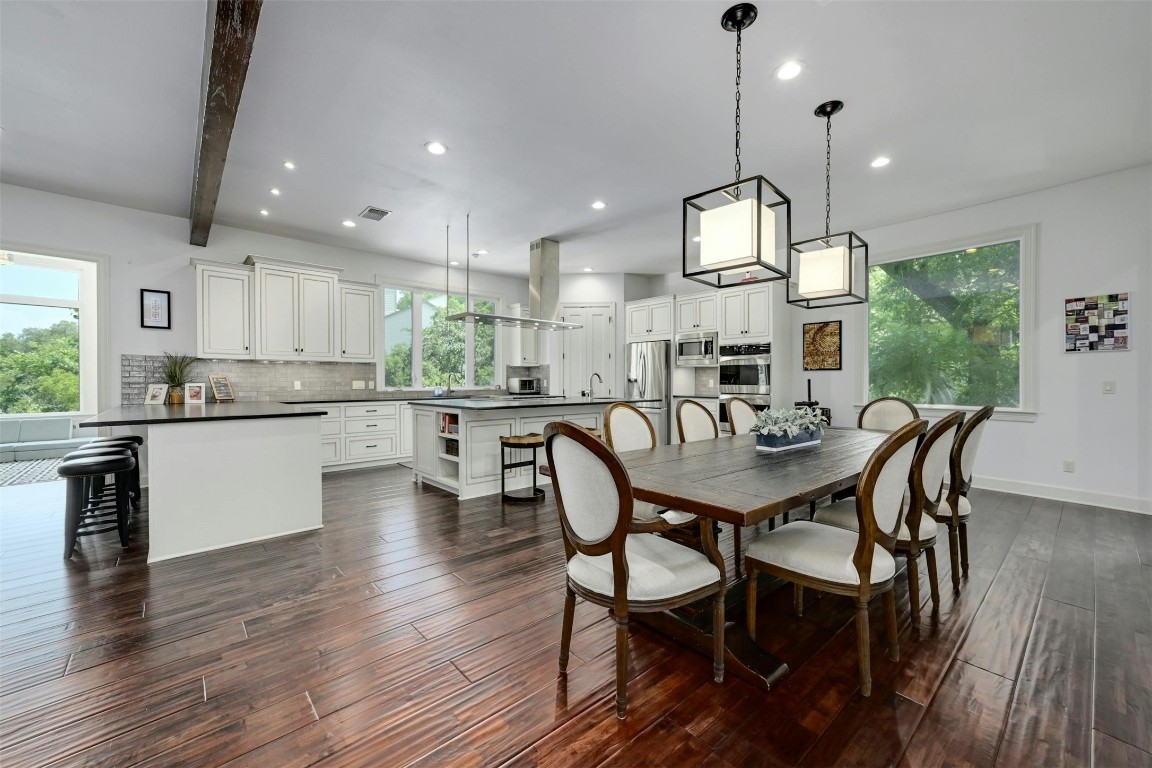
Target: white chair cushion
(820,551)
(842,514)
(964,504)
(657,569)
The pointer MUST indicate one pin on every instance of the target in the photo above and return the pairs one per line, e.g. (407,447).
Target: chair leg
(621,666)
(933,579)
(136,482)
(718,637)
(914,585)
(736,535)
(566,632)
(964,547)
(893,630)
(812,510)
(73,505)
(863,650)
(798,599)
(123,481)
(750,602)
(954,556)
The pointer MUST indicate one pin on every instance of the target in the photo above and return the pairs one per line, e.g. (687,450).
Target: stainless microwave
(696,349)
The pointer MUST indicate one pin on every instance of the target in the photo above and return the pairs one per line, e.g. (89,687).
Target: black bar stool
(97,448)
(532,440)
(82,519)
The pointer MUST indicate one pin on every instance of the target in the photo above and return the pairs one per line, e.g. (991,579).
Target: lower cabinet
(368,432)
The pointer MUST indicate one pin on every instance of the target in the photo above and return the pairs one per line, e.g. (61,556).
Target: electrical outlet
(1109,387)
(1069,465)
(295,385)
(358,384)
(711,382)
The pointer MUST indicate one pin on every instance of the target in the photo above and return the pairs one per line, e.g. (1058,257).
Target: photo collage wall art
(1096,323)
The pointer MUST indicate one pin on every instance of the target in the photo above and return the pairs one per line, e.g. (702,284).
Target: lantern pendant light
(738,233)
(831,271)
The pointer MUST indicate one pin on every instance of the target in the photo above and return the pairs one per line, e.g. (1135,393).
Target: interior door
(600,340)
(575,360)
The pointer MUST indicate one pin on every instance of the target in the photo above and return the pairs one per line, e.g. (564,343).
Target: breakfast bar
(222,474)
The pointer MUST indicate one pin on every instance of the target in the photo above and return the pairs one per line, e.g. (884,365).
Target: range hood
(543,294)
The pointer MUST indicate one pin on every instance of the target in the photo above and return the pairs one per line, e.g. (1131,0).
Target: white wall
(149,250)
(1095,236)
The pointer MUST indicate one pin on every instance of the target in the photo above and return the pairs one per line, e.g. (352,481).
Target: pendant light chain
(828,181)
(739,46)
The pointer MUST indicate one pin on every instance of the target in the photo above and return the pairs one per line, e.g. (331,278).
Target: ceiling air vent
(374,214)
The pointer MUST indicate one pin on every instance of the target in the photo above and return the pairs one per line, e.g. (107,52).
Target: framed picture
(222,388)
(822,346)
(1096,323)
(156,394)
(194,393)
(155,309)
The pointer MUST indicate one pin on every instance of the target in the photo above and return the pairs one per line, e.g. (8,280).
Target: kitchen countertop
(491,404)
(127,415)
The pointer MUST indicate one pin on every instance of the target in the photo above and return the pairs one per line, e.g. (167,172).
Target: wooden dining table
(728,480)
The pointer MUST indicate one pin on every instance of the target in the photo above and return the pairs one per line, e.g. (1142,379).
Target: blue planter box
(775,443)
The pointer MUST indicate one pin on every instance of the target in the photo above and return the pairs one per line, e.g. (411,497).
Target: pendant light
(738,233)
(831,271)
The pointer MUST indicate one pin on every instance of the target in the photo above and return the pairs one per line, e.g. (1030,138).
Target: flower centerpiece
(176,369)
(787,428)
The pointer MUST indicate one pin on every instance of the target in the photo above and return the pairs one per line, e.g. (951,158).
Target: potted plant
(176,369)
(787,428)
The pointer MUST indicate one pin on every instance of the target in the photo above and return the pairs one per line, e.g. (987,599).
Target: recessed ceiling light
(436,147)
(598,205)
(789,70)
(696,239)
(275,191)
(880,162)
(587,269)
(348,223)
(482,253)
(289,165)
(263,212)
(454,263)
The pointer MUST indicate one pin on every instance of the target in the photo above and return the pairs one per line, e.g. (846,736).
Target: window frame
(1027,236)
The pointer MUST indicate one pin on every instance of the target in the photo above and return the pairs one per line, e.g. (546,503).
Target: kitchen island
(222,474)
(457,440)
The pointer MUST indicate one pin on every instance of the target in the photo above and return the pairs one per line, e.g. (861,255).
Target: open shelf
(446,457)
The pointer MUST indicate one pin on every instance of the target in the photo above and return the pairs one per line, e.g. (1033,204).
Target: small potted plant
(788,428)
(176,371)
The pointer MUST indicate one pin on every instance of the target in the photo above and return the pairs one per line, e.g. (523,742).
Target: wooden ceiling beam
(231,31)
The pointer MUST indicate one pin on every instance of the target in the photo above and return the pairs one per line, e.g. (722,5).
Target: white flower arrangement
(789,421)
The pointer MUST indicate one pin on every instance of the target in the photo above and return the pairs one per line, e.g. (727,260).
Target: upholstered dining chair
(918,531)
(887,414)
(695,422)
(610,567)
(858,563)
(626,428)
(741,415)
(956,509)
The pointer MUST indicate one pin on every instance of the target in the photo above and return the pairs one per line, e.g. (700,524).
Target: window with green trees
(441,346)
(484,347)
(443,340)
(945,329)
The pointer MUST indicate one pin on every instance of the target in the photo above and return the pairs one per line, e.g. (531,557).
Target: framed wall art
(155,309)
(1096,323)
(822,346)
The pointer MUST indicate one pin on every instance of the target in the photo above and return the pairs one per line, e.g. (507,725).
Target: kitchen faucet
(590,392)
(449,392)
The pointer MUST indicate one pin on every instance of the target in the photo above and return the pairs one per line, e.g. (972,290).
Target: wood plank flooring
(418,630)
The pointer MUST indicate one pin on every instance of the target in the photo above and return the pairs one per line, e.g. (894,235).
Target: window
(47,334)
(443,340)
(397,337)
(946,328)
(484,346)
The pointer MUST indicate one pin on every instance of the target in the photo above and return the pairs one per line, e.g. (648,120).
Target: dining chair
(858,563)
(956,509)
(887,414)
(918,530)
(626,428)
(695,422)
(610,567)
(741,415)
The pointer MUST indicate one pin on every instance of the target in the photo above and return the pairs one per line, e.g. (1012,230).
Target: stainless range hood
(543,293)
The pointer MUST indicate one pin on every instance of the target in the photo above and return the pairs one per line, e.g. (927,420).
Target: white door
(706,313)
(756,310)
(686,315)
(575,360)
(600,341)
(225,314)
(276,322)
(660,319)
(317,316)
(357,323)
(732,314)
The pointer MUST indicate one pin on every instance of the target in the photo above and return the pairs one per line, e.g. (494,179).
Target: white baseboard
(1061,493)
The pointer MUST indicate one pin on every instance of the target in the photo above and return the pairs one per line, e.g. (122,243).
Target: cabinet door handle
(371,411)
(369,446)
(369,426)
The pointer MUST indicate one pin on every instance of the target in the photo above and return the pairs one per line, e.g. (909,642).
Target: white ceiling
(547,106)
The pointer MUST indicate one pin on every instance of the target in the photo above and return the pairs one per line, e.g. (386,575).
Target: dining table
(729,480)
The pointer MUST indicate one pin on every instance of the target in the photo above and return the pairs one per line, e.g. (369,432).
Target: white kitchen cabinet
(365,433)
(296,311)
(650,319)
(425,430)
(224,311)
(317,316)
(405,429)
(696,312)
(745,315)
(357,322)
(522,344)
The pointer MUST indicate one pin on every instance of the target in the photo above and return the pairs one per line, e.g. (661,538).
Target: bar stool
(80,519)
(105,444)
(532,440)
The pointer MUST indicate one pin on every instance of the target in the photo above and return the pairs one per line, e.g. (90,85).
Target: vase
(776,443)
(175,396)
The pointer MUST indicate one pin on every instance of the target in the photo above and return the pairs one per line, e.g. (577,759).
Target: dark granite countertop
(492,404)
(127,415)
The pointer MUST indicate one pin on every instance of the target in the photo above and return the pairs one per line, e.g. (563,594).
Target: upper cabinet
(745,315)
(522,345)
(650,319)
(224,314)
(296,311)
(696,312)
(357,322)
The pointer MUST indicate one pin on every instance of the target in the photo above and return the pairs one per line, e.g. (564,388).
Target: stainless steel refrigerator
(649,378)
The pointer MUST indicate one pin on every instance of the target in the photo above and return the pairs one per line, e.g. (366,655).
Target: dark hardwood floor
(414,629)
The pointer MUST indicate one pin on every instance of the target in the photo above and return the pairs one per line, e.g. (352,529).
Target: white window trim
(1028,235)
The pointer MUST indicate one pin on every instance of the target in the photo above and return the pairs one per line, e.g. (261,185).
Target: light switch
(295,385)
(1109,387)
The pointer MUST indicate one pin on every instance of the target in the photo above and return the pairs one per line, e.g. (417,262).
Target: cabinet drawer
(375,409)
(365,448)
(371,425)
(330,450)
(329,428)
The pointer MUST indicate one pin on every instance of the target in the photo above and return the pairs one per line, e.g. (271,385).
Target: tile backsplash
(707,379)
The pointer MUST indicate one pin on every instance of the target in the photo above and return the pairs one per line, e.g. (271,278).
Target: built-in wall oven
(696,349)
(745,371)
(759,402)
